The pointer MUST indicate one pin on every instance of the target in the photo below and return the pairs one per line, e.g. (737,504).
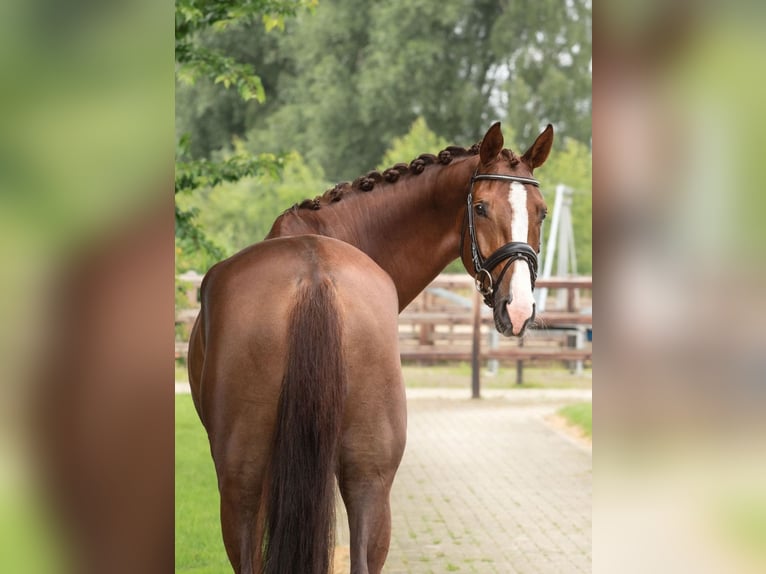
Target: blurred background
(86,226)
(679,468)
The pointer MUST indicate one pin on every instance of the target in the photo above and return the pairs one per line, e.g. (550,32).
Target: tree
(319,115)
(196,58)
(420,139)
(237,214)
(209,112)
(345,82)
(341,89)
(543,72)
(354,87)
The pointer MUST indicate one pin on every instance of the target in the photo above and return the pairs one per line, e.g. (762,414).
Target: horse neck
(411,229)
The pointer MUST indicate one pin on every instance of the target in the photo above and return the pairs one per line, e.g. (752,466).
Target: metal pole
(562,261)
(492,364)
(550,247)
(476,348)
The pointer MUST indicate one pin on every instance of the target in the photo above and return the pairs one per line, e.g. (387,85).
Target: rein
(509,252)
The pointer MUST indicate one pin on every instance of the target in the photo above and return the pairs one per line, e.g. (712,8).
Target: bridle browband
(510,251)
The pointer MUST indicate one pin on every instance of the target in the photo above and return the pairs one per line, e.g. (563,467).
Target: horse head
(504,214)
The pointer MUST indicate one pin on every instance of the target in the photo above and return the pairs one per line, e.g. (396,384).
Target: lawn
(458,376)
(579,415)
(199,547)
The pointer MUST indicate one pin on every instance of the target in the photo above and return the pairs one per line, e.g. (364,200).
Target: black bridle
(509,252)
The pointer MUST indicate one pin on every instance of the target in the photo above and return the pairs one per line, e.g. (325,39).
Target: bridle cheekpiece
(509,252)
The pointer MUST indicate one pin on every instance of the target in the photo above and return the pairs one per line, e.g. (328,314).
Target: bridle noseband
(510,251)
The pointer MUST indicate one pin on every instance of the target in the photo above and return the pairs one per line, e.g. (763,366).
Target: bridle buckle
(482,286)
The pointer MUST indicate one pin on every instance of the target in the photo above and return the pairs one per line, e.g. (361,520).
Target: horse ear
(536,155)
(491,144)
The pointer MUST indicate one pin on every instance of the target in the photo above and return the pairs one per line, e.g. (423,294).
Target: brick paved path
(488,486)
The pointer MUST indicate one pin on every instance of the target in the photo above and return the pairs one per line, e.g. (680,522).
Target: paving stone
(487,486)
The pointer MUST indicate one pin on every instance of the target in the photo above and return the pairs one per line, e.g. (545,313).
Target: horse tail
(300,519)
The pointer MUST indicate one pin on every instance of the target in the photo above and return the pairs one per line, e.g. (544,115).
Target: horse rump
(300,518)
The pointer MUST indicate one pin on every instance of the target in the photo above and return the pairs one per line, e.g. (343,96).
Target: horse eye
(481,209)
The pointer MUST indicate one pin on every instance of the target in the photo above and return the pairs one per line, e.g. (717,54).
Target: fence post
(476,348)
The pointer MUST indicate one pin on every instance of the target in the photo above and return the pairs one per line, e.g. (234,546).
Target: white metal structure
(561,241)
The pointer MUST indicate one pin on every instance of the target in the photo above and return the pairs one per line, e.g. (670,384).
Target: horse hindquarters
(375,418)
(300,520)
(287,328)
(273,417)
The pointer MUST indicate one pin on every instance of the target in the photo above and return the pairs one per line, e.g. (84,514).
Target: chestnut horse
(294,361)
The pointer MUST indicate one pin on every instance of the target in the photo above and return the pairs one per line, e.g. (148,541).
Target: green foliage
(317,85)
(224,70)
(239,213)
(544,52)
(417,141)
(194,174)
(347,95)
(198,16)
(194,60)
(195,20)
(340,90)
(428,62)
(194,249)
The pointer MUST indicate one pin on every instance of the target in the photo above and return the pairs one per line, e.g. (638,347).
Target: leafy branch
(194,174)
(202,62)
(193,61)
(202,173)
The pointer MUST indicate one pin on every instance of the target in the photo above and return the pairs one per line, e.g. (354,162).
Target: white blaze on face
(521,305)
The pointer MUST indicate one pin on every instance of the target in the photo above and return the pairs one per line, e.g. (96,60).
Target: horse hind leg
(242,518)
(369,518)
(368,463)
(241,458)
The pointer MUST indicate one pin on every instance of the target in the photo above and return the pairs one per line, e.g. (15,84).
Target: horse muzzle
(512,316)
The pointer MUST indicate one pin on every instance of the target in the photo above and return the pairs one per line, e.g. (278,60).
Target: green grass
(459,376)
(199,546)
(579,415)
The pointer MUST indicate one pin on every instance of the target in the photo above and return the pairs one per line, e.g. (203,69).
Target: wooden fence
(448,322)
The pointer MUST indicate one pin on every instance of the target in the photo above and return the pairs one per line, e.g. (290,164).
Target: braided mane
(368,181)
